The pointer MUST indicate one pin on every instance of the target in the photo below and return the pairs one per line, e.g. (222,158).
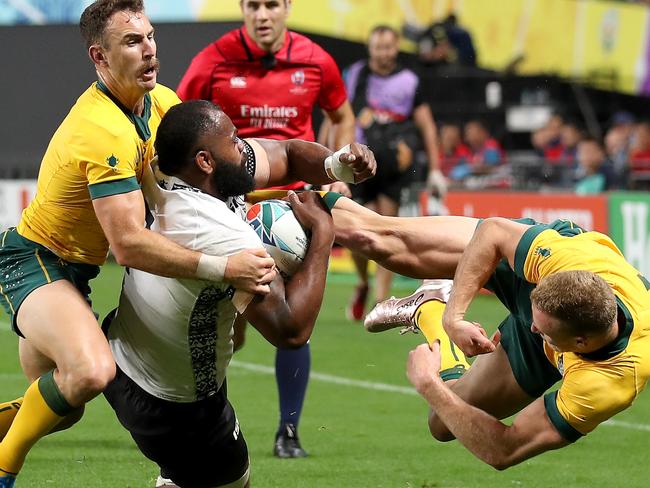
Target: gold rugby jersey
(598,385)
(100,149)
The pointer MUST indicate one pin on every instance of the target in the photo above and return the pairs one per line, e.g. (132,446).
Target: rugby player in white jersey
(172,338)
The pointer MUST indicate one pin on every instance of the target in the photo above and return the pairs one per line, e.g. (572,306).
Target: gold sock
(8,411)
(428,318)
(34,419)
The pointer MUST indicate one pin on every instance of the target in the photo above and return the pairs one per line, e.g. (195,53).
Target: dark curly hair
(179,131)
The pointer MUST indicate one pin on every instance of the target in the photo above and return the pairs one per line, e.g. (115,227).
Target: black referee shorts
(197,445)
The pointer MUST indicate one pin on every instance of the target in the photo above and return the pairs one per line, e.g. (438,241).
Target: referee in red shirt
(268,79)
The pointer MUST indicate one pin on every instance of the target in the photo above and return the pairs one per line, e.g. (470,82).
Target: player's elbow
(499,465)
(123,255)
(126,251)
(500,460)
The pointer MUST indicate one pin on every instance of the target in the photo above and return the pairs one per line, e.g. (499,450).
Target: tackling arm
(122,219)
(490,440)
(495,239)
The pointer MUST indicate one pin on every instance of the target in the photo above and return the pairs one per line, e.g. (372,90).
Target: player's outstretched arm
(286,316)
(490,440)
(122,219)
(495,239)
(282,162)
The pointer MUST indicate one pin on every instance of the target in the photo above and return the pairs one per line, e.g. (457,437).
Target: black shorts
(196,444)
(388,181)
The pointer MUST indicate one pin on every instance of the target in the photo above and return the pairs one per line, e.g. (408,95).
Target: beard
(232,180)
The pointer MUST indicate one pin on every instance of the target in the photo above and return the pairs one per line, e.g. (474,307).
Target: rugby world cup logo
(298,77)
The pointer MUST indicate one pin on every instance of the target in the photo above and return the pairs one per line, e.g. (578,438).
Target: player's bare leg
(57,321)
(34,366)
(418,247)
(489,384)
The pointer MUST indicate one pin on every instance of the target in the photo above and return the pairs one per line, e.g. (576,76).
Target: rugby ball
(281,233)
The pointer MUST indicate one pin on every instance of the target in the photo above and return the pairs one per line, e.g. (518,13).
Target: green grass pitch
(362,424)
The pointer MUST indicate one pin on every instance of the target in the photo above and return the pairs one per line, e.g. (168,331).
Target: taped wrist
(335,169)
(212,268)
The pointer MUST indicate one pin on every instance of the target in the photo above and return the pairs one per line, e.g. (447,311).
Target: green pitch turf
(362,423)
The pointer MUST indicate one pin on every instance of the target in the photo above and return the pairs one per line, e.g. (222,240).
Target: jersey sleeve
(195,84)
(588,397)
(332,93)
(109,163)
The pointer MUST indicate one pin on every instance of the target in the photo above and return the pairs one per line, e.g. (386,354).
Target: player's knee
(91,379)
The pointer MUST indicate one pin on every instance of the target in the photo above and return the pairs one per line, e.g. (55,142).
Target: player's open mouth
(149,73)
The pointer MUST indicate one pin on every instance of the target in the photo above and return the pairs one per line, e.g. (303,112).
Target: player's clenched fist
(361,160)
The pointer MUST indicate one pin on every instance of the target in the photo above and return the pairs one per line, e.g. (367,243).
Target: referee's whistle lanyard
(269,61)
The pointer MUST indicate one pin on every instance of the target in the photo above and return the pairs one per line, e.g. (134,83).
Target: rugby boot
(287,444)
(400,312)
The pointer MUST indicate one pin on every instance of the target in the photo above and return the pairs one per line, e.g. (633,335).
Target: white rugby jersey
(173,337)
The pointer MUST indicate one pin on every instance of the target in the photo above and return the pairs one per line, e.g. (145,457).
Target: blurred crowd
(564,153)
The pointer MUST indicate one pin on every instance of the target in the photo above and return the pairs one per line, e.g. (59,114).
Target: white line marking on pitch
(339,380)
(371,385)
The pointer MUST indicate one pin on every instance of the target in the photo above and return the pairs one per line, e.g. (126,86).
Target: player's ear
(204,162)
(582,342)
(287,3)
(97,55)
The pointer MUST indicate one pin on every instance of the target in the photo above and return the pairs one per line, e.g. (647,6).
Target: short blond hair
(582,300)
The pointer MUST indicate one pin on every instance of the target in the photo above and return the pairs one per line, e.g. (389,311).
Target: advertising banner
(630,227)
(15,195)
(589,212)
(614,44)
(605,41)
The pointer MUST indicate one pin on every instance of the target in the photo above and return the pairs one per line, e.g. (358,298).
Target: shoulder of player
(164,97)
(95,113)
